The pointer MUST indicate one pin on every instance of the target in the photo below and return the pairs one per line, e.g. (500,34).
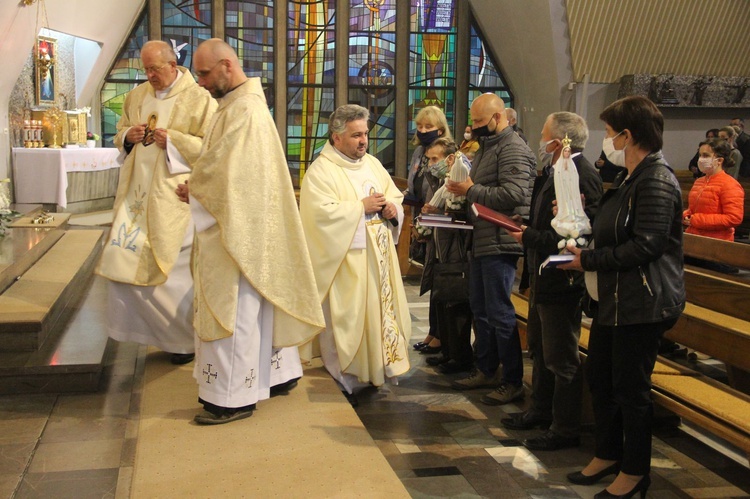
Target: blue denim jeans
(495,328)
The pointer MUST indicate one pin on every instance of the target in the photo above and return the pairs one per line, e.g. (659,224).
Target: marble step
(70,361)
(36,304)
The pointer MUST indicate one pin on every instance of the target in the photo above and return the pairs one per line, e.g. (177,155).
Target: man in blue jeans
(502,179)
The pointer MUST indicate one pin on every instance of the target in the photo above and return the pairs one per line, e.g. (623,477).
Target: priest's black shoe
(226,416)
(283,388)
(351,398)
(642,487)
(525,421)
(436,361)
(179,359)
(579,478)
(549,440)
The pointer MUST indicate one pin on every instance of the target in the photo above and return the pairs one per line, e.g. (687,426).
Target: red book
(495,217)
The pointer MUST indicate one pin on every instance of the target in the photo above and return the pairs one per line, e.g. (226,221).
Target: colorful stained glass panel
(249,30)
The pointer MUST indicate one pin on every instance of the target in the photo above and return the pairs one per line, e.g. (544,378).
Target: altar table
(41,175)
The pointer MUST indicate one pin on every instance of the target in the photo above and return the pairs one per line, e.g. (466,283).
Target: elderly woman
(639,293)
(716,204)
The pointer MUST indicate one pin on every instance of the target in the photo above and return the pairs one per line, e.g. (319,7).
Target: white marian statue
(458,173)
(571,221)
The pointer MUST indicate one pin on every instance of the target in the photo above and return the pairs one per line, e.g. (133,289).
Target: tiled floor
(440,443)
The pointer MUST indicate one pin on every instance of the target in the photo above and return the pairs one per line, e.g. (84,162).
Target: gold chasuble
(370,317)
(149,219)
(242,180)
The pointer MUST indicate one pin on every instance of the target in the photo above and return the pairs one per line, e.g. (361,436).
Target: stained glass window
(123,77)
(249,30)
(432,64)
(310,79)
(483,75)
(185,24)
(372,74)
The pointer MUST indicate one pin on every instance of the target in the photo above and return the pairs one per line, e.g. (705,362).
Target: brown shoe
(503,394)
(477,379)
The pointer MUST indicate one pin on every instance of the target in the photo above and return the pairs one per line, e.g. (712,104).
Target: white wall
(86,54)
(104,21)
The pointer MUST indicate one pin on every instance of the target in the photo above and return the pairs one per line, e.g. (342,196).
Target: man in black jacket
(501,179)
(742,142)
(554,322)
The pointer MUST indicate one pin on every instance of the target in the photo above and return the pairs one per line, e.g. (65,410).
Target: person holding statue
(146,258)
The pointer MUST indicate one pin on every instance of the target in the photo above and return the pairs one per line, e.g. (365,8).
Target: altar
(72,179)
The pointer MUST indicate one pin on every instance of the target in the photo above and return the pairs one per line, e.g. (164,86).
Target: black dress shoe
(226,416)
(283,387)
(436,361)
(579,478)
(549,440)
(420,345)
(525,421)
(642,487)
(428,350)
(452,367)
(179,359)
(351,398)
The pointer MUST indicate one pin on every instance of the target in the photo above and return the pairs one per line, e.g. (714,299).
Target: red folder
(495,217)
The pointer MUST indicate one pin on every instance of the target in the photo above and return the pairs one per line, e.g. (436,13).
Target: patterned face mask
(439,169)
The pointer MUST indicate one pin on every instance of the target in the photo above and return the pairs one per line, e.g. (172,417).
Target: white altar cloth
(40,175)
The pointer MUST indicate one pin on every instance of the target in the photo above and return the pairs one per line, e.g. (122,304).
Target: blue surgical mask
(427,138)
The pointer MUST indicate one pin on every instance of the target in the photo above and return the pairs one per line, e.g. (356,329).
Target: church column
(217,19)
(403,16)
(154,19)
(341,79)
(463,42)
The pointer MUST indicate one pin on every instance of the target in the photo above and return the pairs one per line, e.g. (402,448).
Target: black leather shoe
(549,440)
(284,387)
(452,367)
(436,361)
(525,421)
(428,350)
(179,359)
(642,487)
(351,398)
(227,416)
(579,478)
(420,345)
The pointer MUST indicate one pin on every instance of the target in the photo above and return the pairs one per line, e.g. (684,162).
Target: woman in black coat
(638,293)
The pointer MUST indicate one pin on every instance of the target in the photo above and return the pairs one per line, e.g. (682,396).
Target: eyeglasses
(152,69)
(205,72)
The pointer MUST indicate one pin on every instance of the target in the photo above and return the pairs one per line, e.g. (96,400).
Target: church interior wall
(529,39)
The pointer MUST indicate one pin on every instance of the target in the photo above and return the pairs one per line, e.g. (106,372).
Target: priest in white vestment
(346,202)
(255,295)
(147,256)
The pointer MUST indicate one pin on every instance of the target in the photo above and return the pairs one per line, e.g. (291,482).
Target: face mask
(706,165)
(615,156)
(468,136)
(484,131)
(545,157)
(427,138)
(439,169)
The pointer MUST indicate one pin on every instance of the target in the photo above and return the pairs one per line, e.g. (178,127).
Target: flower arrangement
(91,136)
(456,203)
(422,231)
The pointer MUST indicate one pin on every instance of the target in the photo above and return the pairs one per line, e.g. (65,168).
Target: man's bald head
(217,67)
(488,110)
(159,64)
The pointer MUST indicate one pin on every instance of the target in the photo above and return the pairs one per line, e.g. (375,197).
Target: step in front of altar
(38,299)
(51,314)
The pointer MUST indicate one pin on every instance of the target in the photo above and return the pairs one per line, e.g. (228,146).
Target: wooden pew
(707,403)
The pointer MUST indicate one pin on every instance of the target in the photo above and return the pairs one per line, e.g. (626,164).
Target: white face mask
(706,165)
(545,157)
(615,156)
(467,136)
